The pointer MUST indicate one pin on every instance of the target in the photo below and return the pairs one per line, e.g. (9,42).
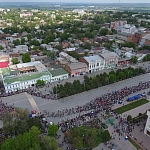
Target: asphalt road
(22,101)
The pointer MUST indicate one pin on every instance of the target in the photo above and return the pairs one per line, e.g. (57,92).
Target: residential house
(65,45)
(76,69)
(127,30)
(145,41)
(137,36)
(117,24)
(20,49)
(65,59)
(94,63)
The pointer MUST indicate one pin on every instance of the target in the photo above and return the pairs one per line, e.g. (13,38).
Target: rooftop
(58,72)
(108,54)
(4,71)
(147,37)
(26,77)
(93,58)
(79,65)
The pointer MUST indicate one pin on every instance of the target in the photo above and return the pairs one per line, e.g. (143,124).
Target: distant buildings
(127,30)
(145,40)
(80,12)
(118,24)
(26,14)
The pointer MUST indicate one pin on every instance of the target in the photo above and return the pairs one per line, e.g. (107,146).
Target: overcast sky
(81,1)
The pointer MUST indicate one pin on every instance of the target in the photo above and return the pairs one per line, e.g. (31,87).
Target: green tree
(112,78)
(40,83)
(134,59)
(106,136)
(16,42)
(26,57)
(87,45)
(51,54)
(8,144)
(29,36)
(1,47)
(129,44)
(77,142)
(129,118)
(121,76)
(62,93)
(103,31)
(49,143)
(52,130)
(22,41)
(15,61)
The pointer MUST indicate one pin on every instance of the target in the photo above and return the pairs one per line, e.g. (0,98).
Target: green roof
(5,71)
(58,72)
(22,78)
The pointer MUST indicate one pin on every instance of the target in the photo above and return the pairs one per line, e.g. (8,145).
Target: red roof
(4,64)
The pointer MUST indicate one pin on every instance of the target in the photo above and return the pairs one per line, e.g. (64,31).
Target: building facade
(110,59)
(23,76)
(147,126)
(58,74)
(94,63)
(76,69)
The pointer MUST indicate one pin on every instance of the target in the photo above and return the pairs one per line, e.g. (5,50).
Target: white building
(58,74)
(25,14)
(95,63)
(110,59)
(147,126)
(128,30)
(23,76)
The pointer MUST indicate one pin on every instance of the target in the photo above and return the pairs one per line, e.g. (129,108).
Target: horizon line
(76,2)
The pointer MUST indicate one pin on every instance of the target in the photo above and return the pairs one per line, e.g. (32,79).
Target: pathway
(32,102)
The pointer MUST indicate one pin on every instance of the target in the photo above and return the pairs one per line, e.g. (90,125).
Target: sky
(81,1)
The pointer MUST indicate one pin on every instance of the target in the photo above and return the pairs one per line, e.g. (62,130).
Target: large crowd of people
(5,107)
(102,103)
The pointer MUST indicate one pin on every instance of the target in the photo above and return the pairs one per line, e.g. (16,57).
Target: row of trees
(94,82)
(30,141)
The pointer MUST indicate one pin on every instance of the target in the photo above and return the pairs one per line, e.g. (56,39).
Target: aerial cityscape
(74,75)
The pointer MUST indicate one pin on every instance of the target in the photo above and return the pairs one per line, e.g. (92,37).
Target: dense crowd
(5,107)
(33,91)
(102,103)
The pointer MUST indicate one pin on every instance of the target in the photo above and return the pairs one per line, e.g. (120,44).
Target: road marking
(32,102)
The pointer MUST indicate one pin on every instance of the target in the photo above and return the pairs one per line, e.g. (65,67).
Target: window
(148,132)
(97,64)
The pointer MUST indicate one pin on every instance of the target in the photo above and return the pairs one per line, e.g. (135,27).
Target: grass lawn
(130,106)
(134,144)
(85,135)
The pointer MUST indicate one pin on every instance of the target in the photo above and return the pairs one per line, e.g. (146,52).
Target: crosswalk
(32,102)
